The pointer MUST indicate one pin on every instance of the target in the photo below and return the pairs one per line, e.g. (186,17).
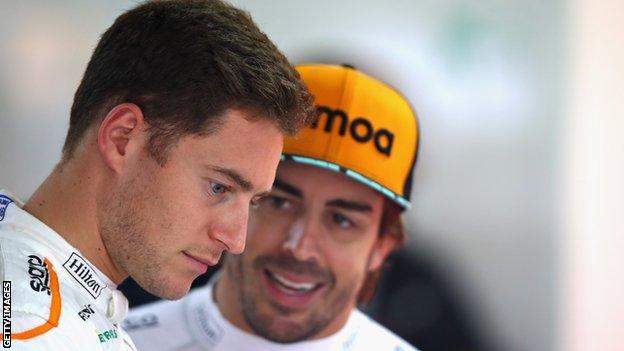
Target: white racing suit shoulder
(374,336)
(195,323)
(42,317)
(57,299)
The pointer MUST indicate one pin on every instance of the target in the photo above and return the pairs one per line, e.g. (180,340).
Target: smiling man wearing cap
(317,242)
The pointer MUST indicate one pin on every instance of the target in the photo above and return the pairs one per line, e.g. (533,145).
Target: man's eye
(276,202)
(342,221)
(217,189)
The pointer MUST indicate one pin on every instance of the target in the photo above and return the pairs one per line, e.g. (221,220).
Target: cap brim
(396,198)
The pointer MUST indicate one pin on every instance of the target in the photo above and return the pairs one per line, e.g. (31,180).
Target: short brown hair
(392,224)
(184,63)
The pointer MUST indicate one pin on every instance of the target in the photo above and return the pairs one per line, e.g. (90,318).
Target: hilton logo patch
(84,274)
(4,203)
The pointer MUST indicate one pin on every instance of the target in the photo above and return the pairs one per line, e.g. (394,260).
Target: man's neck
(66,202)
(226,298)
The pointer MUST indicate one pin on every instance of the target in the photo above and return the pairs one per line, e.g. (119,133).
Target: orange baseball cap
(365,129)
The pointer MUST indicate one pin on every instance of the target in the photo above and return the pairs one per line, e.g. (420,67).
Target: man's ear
(119,133)
(384,245)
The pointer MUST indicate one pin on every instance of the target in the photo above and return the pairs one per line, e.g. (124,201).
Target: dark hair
(184,63)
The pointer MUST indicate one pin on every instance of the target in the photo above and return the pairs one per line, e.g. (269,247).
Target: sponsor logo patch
(4,203)
(140,322)
(39,275)
(86,312)
(107,335)
(212,330)
(360,128)
(84,274)
(348,344)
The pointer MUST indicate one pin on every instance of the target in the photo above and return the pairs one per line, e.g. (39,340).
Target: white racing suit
(195,323)
(53,298)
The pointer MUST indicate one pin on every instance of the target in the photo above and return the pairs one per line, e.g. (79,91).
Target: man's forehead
(302,176)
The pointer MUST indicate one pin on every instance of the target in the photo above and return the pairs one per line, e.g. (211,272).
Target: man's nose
(302,239)
(231,229)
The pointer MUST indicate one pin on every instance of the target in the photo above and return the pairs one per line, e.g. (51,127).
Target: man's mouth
(289,286)
(199,263)
(292,284)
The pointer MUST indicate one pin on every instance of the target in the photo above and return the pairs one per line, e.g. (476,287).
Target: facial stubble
(274,325)
(124,231)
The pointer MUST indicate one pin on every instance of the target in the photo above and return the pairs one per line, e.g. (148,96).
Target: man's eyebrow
(350,205)
(236,177)
(288,188)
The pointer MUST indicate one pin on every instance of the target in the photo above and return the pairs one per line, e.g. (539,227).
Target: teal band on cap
(405,204)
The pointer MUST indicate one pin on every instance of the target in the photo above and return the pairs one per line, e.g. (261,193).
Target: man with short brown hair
(175,130)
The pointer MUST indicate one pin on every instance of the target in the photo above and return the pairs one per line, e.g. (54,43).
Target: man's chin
(286,332)
(283,328)
(174,295)
(173,290)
